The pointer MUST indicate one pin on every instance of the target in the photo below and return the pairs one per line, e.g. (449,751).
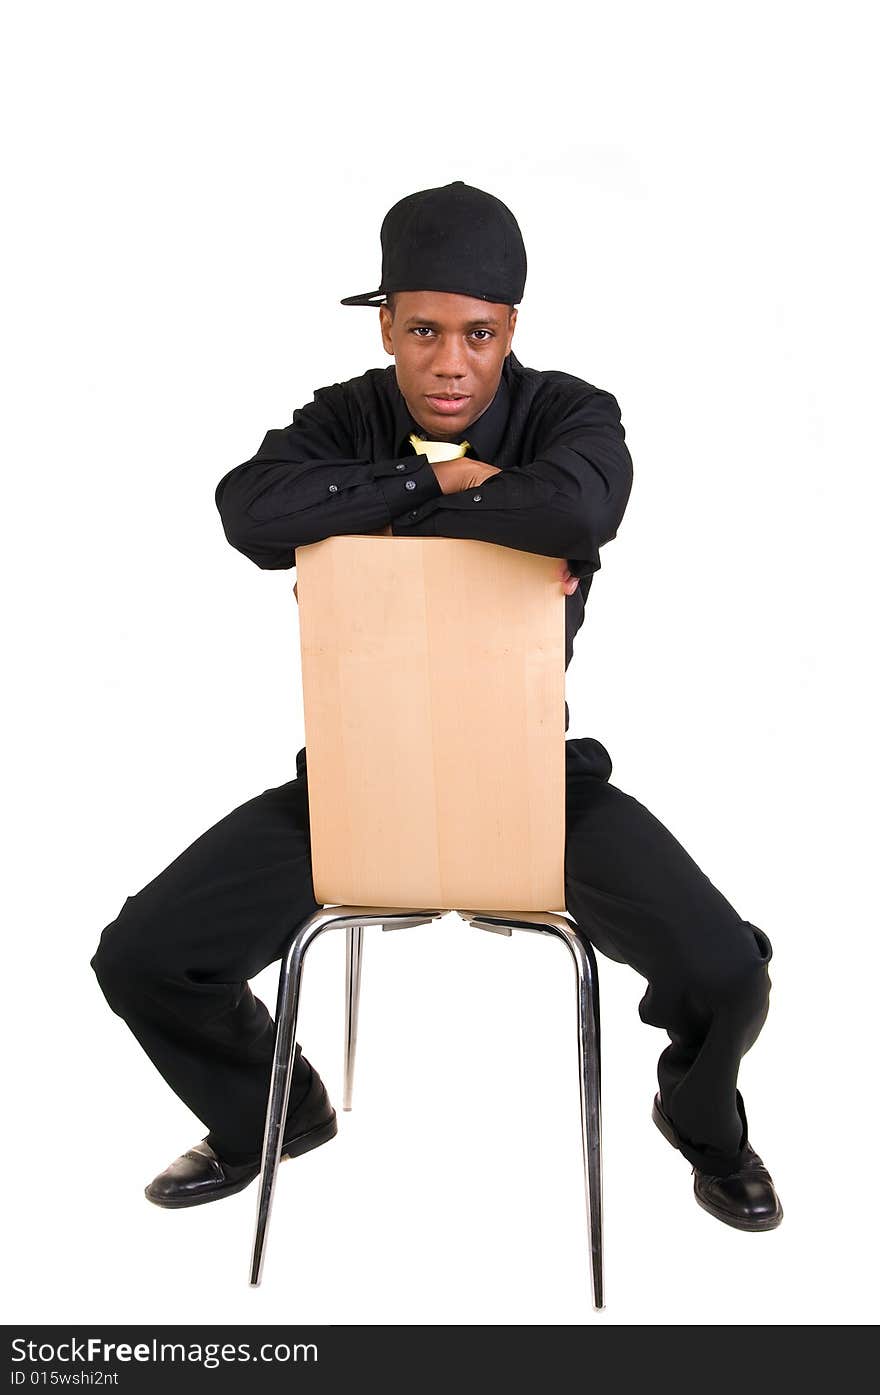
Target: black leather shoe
(745,1199)
(201,1175)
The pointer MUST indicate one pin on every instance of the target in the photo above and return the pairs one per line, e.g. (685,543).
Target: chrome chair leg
(354,941)
(589,1062)
(589,1049)
(289,983)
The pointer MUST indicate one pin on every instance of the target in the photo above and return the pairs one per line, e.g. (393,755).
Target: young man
(457,439)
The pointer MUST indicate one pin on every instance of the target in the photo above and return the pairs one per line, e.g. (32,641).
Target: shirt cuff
(406,483)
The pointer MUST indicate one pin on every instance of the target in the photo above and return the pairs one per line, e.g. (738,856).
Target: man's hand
(456,475)
(569,583)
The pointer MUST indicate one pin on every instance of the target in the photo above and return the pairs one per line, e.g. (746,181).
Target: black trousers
(174,964)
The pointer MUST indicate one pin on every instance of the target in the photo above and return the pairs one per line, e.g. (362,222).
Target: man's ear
(385,327)
(511,326)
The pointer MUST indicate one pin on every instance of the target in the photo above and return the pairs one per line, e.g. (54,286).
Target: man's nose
(450,360)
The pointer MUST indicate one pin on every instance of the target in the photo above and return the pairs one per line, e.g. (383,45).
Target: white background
(191,188)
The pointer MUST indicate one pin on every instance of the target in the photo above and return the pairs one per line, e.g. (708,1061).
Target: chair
(392,631)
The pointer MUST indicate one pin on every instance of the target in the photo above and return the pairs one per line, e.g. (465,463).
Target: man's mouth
(448,403)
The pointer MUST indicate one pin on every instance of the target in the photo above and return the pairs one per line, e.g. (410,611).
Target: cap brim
(367,298)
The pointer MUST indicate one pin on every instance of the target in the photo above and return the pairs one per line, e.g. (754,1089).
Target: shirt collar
(484,434)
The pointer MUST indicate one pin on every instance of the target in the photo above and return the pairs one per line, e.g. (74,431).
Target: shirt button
(400,467)
(413,513)
(477,498)
(410,484)
(333,488)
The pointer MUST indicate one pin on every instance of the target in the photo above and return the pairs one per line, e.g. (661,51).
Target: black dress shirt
(346,465)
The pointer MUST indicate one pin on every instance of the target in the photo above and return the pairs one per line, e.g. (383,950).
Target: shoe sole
(765,1223)
(313,1138)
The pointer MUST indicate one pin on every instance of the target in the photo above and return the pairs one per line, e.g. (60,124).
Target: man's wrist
(406,483)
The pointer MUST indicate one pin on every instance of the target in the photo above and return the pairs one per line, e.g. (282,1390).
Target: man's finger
(569,582)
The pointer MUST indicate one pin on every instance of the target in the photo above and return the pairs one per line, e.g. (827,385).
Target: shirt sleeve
(565,502)
(306,483)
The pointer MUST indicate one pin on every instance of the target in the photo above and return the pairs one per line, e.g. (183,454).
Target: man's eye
(422,331)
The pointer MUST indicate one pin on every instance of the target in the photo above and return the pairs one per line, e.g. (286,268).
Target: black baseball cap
(454,238)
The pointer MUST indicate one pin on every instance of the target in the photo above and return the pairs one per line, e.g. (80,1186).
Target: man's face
(447,346)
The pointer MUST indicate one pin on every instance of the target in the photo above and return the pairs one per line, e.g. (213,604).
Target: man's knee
(733,976)
(117,962)
(722,973)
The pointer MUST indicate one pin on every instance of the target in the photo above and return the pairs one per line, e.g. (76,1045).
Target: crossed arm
(318,478)
(456,475)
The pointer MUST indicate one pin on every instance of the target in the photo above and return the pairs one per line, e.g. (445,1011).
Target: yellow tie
(438,450)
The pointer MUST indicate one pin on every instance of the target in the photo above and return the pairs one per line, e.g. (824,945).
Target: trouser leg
(639,897)
(175,962)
